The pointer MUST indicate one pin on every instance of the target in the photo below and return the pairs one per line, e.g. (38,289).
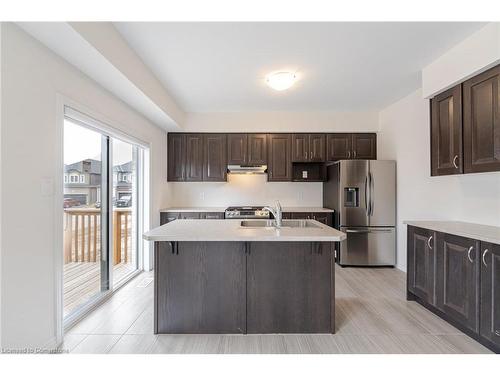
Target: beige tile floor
(372,316)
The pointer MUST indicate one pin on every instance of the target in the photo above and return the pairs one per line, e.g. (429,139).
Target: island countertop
(231,230)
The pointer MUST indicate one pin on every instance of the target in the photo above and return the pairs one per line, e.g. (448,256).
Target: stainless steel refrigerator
(363,195)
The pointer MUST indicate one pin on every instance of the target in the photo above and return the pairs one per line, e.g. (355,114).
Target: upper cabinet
(465,126)
(481,121)
(343,146)
(215,158)
(247,149)
(197,157)
(308,147)
(446,133)
(279,157)
(205,156)
(176,157)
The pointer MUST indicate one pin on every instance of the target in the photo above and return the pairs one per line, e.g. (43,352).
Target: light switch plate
(47,187)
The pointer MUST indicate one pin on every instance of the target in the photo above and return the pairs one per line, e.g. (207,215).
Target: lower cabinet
(421,276)
(166,217)
(490,293)
(289,288)
(193,295)
(323,217)
(458,278)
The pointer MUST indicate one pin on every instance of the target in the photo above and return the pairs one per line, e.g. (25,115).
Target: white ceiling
(220,67)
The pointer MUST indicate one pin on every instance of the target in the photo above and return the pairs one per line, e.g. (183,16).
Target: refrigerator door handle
(366,196)
(371,195)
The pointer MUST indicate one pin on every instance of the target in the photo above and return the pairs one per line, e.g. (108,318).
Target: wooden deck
(82,281)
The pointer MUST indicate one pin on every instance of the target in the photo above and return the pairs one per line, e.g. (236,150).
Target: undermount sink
(271,225)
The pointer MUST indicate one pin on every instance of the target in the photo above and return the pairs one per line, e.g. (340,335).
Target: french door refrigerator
(363,195)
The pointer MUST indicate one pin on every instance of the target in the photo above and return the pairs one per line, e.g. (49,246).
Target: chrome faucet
(277,213)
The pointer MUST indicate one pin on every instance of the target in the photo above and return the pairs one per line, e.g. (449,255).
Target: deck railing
(82,235)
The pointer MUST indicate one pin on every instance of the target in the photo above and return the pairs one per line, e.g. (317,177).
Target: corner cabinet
(465,126)
(279,157)
(457,278)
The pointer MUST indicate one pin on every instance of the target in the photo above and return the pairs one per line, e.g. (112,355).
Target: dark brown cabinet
(465,126)
(490,293)
(176,157)
(194,157)
(421,276)
(237,146)
(166,217)
(364,146)
(308,147)
(323,217)
(257,149)
(193,295)
(247,149)
(215,162)
(343,146)
(279,157)
(458,279)
(481,122)
(446,133)
(290,288)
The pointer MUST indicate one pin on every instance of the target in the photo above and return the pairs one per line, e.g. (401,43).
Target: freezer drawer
(368,246)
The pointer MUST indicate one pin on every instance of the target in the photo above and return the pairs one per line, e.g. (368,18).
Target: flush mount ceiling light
(281,80)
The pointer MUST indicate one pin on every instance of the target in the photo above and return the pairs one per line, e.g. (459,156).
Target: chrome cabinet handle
(468,254)
(484,259)
(429,242)
(354,154)
(455,161)
(348,154)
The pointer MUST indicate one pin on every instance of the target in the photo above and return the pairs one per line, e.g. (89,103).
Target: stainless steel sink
(270,224)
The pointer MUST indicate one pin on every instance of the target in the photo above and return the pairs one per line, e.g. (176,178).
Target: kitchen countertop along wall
(222,209)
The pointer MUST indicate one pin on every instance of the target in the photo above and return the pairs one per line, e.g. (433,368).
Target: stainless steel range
(246,212)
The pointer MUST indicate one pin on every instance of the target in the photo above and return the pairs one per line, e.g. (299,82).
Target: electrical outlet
(202,196)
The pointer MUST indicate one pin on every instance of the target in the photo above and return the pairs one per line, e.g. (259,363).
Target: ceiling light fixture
(281,80)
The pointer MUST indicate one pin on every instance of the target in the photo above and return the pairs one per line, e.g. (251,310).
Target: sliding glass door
(102,211)
(85,269)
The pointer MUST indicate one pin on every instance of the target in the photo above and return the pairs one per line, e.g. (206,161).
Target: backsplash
(245,190)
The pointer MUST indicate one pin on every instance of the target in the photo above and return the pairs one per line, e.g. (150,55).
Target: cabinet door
(317,146)
(167,217)
(257,149)
(490,293)
(364,146)
(193,295)
(325,218)
(215,163)
(176,157)
(338,146)
(237,149)
(289,289)
(279,157)
(457,289)
(300,147)
(189,215)
(446,133)
(212,215)
(194,157)
(301,215)
(481,118)
(421,277)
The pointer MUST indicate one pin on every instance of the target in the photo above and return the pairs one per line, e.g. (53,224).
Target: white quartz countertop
(479,232)
(222,209)
(231,230)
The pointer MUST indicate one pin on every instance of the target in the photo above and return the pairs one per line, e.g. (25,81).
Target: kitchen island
(233,276)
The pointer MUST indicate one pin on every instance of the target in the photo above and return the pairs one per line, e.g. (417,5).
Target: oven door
(368,246)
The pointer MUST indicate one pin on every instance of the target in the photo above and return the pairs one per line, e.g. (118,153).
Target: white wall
(255,189)
(404,136)
(476,53)
(32,76)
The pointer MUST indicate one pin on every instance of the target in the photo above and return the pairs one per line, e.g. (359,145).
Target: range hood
(246,169)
